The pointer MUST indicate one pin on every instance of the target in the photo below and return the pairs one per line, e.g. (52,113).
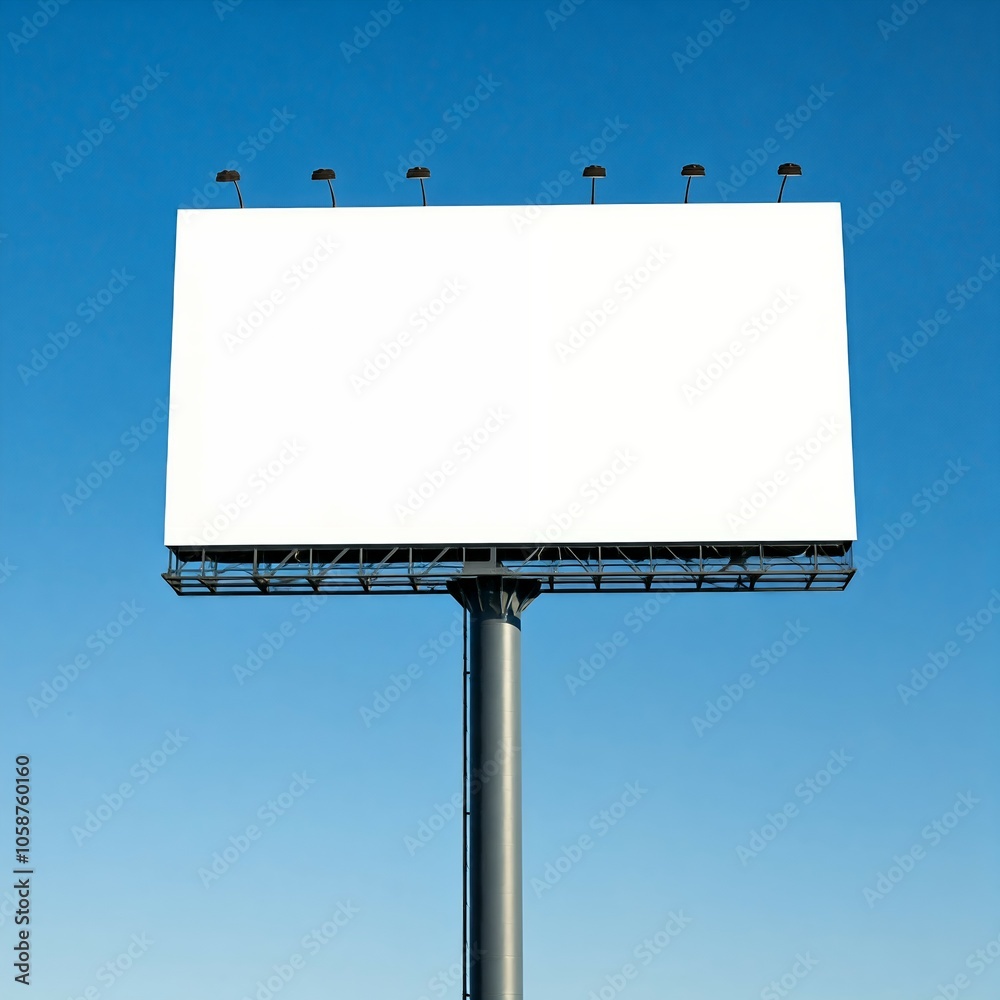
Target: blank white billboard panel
(611,374)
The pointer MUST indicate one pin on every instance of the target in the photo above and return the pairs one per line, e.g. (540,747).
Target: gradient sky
(115,115)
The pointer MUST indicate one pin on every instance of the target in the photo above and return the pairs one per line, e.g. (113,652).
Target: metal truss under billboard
(561,569)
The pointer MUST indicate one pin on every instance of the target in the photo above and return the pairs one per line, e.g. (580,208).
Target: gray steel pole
(494,604)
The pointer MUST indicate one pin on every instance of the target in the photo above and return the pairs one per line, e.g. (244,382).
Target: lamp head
(785,171)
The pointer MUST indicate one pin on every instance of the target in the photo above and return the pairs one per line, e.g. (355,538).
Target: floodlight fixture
(419,173)
(593,172)
(325,174)
(227,176)
(785,171)
(689,171)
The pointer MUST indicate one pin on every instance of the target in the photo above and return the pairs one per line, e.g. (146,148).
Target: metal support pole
(465,803)
(495,604)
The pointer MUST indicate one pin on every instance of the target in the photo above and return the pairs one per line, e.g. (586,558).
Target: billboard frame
(568,569)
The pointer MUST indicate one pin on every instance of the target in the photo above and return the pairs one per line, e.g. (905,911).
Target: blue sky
(115,115)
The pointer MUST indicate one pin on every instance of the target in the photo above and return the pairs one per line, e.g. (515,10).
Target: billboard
(606,374)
